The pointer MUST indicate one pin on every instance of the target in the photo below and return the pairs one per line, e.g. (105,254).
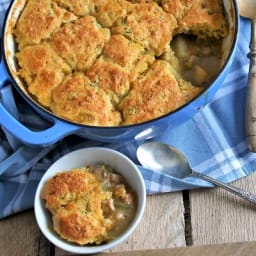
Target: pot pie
(117,62)
(89,205)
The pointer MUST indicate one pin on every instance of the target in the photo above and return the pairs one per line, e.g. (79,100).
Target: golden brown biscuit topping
(80,99)
(203,18)
(92,204)
(42,69)
(128,54)
(78,7)
(148,25)
(95,62)
(107,12)
(80,43)
(111,78)
(154,95)
(38,20)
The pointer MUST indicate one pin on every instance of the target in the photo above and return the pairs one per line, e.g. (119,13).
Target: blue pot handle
(36,138)
(10,123)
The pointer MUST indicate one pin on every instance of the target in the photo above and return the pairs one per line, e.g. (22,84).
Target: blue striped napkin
(213,141)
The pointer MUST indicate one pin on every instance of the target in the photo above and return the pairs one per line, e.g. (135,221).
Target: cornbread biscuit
(38,20)
(203,18)
(154,95)
(111,78)
(89,205)
(78,7)
(74,198)
(148,25)
(131,56)
(67,187)
(178,8)
(108,11)
(80,43)
(188,90)
(42,70)
(79,99)
(91,226)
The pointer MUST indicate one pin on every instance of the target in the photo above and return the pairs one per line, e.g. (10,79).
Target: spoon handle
(237,191)
(250,126)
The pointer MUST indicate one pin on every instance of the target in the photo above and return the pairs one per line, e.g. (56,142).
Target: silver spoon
(247,9)
(166,159)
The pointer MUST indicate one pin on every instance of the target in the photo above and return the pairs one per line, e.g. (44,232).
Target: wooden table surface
(181,223)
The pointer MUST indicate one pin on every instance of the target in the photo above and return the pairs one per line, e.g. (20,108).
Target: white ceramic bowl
(120,163)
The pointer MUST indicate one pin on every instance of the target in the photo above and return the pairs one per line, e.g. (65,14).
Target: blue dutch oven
(61,128)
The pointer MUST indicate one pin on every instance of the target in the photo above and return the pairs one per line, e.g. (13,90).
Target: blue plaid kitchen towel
(213,141)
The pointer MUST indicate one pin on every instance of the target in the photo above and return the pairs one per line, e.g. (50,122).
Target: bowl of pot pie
(90,200)
(121,65)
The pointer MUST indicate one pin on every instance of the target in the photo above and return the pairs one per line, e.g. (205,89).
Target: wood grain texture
(163,219)
(218,216)
(162,225)
(19,235)
(234,249)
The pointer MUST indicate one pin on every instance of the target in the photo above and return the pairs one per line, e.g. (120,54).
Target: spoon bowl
(163,158)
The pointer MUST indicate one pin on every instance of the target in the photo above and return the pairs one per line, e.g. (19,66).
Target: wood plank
(234,249)
(218,216)
(162,225)
(19,235)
